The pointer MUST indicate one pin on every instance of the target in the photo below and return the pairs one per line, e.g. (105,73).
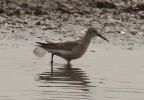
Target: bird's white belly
(62,53)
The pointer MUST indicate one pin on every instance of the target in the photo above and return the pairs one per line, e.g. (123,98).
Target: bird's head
(92,32)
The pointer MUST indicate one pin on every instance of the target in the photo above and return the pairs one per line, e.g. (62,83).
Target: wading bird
(71,50)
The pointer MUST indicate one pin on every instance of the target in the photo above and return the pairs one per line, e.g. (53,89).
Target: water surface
(109,73)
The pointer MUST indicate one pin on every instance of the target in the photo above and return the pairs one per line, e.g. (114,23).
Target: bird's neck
(87,39)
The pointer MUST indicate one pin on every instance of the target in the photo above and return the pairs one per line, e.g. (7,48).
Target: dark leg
(52,58)
(69,62)
(68,66)
(52,64)
(51,69)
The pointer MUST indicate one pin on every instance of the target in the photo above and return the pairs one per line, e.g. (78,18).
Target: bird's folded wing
(59,46)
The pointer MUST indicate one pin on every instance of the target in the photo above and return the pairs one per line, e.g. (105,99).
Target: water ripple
(65,82)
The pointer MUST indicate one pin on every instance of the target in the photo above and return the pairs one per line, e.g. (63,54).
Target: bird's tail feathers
(41,44)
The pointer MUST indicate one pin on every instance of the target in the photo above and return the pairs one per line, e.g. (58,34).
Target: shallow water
(109,73)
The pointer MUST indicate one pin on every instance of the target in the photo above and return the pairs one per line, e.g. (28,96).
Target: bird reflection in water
(66,74)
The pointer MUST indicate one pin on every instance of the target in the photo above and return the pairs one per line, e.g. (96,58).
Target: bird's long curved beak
(103,37)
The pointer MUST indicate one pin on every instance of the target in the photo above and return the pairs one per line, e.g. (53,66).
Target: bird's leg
(51,69)
(52,58)
(68,66)
(52,64)
(114,27)
(68,62)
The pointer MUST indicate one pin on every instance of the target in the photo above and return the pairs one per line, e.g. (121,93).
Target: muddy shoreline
(57,24)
